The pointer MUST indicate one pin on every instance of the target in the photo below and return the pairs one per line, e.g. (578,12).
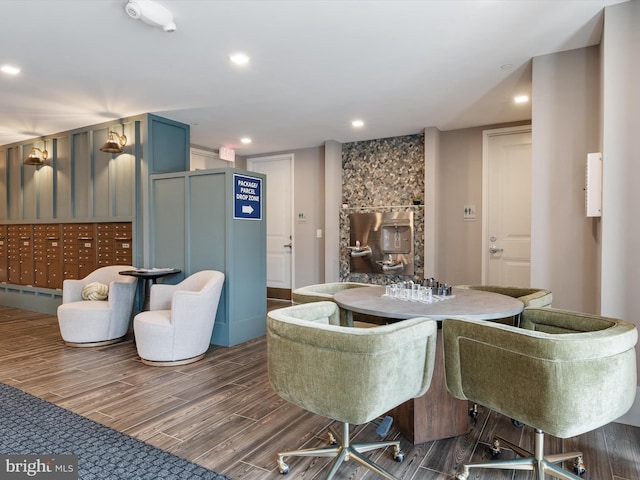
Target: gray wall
(621,168)
(308,198)
(459,242)
(309,189)
(565,116)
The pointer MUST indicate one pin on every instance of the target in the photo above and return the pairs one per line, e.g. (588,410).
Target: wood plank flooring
(221,412)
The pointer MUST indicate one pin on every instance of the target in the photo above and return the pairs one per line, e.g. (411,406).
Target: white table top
(474,304)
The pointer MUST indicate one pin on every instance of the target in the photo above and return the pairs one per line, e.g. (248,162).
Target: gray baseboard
(34,299)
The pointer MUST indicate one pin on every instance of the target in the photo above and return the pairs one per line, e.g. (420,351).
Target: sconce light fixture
(35,159)
(114,143)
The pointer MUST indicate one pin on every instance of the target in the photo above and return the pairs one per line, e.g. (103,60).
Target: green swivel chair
(531,297)
(324,292)
(351,375)
(561,372)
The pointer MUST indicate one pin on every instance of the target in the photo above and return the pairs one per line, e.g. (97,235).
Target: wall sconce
(114,143)
(35,159)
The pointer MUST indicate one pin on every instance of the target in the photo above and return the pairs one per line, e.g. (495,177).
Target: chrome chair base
(344,451)
(535,461)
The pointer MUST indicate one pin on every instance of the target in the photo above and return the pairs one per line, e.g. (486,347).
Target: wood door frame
(486,135)
(291,157)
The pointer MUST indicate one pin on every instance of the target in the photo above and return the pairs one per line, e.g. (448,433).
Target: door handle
(494,249)
(288,245)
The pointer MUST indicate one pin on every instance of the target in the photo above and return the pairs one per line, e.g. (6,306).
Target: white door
(506,257)
(279,172)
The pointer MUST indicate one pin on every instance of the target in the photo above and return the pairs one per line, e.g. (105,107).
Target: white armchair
(177,329)
(89,323)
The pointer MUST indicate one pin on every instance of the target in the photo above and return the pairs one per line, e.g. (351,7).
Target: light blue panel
(214,241)
(169,147)
(207,231)
(29,187)
(3,183)
(63,178)
(15,183)
(123,185)
(207,219)
(247,259)
(168,224)
(44,193)
(123,171)
(101,177)
(81,183)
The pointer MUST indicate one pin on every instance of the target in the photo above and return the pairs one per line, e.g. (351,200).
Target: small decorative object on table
(409,291)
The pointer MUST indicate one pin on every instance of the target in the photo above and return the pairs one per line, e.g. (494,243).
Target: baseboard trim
(279,293)
(632,417)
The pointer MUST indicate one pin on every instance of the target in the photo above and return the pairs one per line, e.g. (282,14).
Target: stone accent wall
(383,175)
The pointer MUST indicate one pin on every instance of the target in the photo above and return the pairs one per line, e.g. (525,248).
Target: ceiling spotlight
(114,143)
(521,99)
(246,140)
(151,13)
(35,159)
(357,123)
(239,58)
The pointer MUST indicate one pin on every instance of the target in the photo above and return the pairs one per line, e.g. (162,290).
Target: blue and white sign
(247,197)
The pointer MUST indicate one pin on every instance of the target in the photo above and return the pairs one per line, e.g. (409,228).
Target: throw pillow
(95,291)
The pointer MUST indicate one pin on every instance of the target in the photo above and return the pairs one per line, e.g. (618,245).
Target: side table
(150,276)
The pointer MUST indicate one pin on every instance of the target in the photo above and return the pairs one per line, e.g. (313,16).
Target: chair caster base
(398,455)
(517,423)
(341,450)
(495,448)
(283,468)
(462,475)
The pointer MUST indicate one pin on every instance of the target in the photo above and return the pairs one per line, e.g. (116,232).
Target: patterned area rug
(32,426)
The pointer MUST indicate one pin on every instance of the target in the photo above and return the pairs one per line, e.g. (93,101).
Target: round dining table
(436,414)
(463,302)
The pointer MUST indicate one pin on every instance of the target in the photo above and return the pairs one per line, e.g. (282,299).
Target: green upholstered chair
(324,292)
(561,372)
(352,375)
(531,297)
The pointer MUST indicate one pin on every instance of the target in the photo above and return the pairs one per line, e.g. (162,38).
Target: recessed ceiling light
(10,69)
(245,140)
(239,58)
(521,99)
(506,66)
(357,123)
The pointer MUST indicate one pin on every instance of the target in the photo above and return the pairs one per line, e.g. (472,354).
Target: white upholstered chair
(177,329)
(89,323)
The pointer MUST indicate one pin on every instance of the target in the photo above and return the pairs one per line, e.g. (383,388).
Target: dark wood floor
(221,412)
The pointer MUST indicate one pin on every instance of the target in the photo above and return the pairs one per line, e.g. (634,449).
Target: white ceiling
(315,65)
